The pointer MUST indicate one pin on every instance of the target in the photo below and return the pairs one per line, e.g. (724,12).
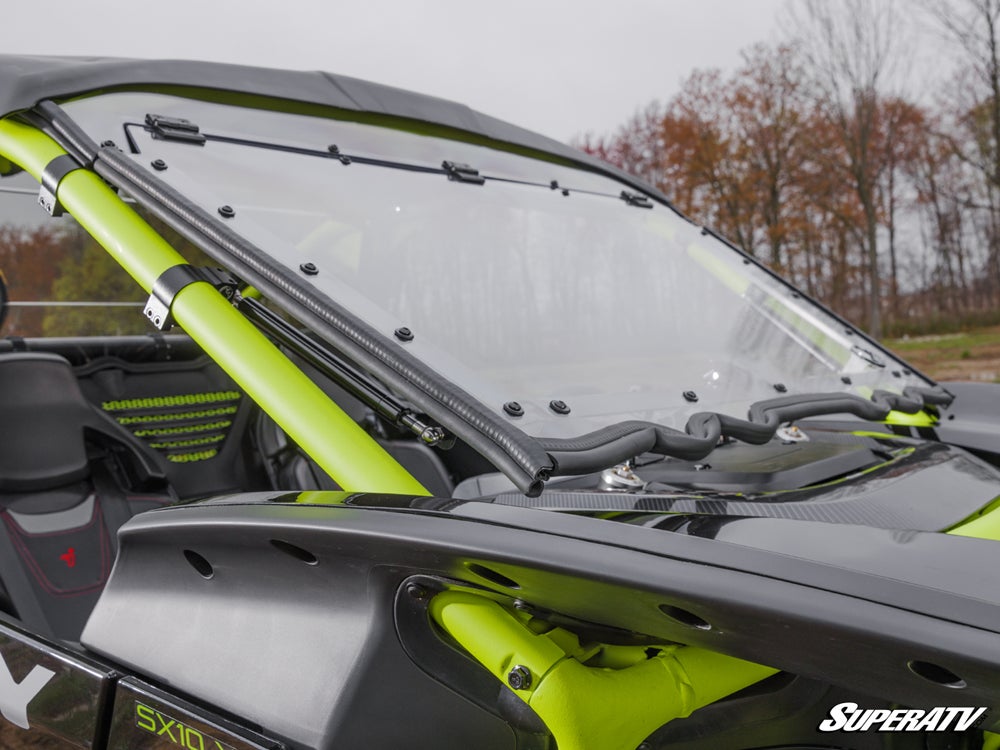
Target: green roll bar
(590,696)
(344,450)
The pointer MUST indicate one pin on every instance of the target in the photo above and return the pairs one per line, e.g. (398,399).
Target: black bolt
(513,408)
(848,332)
(565,191)
(690,396)
(746,261)
(159,165)
(309,269)
(951,416)
(519,678)
(559,407)
(845,379)
(897,374)
(780,387)
(554,185)
(108,144)
(795,295)
(404,334)
(416,591)
(345,160)
(226,212)
(333,148)
(907,372)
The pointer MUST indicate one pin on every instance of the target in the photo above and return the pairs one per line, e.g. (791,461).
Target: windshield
(541,284)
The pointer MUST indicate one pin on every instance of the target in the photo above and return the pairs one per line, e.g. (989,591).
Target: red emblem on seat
(69,557)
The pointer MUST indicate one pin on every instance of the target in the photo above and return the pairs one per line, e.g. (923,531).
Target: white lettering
(874,717)
(930,721)
(15,697)
(838,717)
(970,716)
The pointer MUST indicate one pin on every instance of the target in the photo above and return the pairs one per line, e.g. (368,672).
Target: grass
(969,355)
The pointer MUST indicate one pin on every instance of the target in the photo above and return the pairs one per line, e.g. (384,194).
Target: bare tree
(852,50)
(974,26)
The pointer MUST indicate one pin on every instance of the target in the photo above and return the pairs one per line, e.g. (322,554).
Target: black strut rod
(339,371)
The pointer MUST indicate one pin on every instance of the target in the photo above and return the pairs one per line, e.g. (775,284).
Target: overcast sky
(561,67)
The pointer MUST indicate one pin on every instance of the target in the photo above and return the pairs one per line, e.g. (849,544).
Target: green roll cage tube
(588,695)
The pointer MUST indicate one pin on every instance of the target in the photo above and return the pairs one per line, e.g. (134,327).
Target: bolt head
(690,396)
(519,678)
(514,409)
(309,269)
(403,334)
(416,591)
(226,212)
(559,406)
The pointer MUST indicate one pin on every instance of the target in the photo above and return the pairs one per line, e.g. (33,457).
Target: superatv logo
(848,717)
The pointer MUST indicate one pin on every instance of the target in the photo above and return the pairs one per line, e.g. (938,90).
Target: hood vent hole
(199,563)
(689,619)
(493,577)
(936,674)
(294,551)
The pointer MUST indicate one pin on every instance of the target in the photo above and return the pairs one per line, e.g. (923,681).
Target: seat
(70,476)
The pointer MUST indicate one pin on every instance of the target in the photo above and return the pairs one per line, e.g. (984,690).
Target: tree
(974,101)
(850,48)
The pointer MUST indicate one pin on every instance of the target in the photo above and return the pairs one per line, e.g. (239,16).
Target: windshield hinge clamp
(175,278)
(462,173)
(51,176)
(174,129)
(636,199)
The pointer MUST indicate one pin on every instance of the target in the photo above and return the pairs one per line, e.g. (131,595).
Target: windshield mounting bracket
(462,173)
(175,278)
(174,129)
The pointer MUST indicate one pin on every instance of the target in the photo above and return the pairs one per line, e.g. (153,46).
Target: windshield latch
(174,129)
(636,199)
(462,173)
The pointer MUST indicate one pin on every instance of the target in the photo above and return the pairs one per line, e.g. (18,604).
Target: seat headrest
(42,416)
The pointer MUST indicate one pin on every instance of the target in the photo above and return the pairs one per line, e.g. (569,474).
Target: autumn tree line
(821,157)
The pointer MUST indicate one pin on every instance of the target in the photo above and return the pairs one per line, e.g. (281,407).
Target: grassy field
(973,355)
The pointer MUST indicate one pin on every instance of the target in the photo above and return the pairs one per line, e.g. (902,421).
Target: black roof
(26,80)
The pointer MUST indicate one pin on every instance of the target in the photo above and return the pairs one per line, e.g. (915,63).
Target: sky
(560,67)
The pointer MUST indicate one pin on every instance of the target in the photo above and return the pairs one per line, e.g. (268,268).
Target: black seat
(70,476)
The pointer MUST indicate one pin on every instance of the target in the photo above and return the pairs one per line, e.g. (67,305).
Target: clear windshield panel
(513,290)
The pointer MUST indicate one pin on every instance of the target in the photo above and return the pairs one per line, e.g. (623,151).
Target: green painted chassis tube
(612,704)
(345,451)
